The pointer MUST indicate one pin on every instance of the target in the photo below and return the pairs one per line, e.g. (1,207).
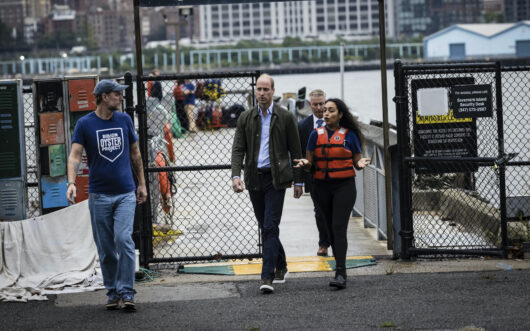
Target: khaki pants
(191,117)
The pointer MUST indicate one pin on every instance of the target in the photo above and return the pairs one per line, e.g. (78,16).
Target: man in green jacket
(267,139)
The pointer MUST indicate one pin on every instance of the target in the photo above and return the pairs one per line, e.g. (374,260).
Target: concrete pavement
(445,294)
(391,296)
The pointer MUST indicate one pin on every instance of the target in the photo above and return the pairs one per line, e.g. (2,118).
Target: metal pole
(145,227)
(342,71)
(177,46)
(388,172)
(502,167)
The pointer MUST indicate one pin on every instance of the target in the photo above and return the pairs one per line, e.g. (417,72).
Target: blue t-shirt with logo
(107,145)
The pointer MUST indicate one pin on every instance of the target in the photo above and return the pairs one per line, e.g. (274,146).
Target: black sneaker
(279,276)
(339,282)
(113,303)
(266,286)
(128,303)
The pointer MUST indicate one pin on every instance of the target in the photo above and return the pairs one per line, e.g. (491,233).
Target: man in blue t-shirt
(111,146)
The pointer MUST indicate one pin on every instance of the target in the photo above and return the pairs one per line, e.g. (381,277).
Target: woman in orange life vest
(332,153)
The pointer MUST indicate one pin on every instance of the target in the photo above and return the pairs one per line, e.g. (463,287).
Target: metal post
(502,167)
(177,46)
(388,172)
(402,114)
(145,228)
(342,71)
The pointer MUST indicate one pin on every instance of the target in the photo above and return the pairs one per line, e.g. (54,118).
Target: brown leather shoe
(322,251)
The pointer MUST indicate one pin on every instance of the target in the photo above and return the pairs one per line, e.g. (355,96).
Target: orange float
(169,142)
(163,182)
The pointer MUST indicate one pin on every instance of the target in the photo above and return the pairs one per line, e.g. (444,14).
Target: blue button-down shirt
(264,160)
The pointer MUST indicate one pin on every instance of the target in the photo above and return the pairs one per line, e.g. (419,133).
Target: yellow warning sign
(439,119)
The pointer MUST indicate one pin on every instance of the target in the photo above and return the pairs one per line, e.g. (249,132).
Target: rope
(146,275)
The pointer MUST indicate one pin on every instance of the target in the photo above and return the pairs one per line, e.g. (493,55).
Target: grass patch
(387,325)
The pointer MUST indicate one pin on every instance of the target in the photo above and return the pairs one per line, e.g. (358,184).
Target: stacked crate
(81,102)
(59,103)
(13,198)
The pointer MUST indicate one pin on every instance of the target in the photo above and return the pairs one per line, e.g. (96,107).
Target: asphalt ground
(475,294)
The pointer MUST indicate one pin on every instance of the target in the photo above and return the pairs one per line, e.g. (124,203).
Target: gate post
(402,118)
(502,165)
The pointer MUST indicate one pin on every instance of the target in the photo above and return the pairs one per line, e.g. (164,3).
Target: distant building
(12,14)
(494,6)
(38,8)
(468,41)
(31,28)
(423,17)
(111,29)
(516,10)
(305,19)
(62,18)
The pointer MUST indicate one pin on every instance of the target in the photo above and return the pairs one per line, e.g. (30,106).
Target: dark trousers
(268,207)
(323,237)
(181,114)
(335,199)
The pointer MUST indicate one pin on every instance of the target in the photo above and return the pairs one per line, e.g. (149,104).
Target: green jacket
(284,146)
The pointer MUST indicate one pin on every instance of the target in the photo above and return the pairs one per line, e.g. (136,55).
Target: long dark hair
(347,121)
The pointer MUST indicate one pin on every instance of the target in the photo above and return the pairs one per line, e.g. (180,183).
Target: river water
(362,90)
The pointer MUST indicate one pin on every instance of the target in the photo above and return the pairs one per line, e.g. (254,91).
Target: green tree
(492,17)
(85,36)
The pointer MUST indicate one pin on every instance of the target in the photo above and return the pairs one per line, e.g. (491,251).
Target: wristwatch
(70,183)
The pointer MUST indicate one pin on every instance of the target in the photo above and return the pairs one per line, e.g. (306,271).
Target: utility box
(12,193)
(51,128)
(53,190)
(12,164)
(81,94)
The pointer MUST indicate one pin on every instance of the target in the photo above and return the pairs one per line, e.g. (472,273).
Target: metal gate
(192,213)
(464,153)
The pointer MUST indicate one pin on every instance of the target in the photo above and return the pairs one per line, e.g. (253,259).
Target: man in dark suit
(305,127)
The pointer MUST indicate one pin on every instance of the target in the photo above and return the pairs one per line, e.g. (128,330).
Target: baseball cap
(107,86)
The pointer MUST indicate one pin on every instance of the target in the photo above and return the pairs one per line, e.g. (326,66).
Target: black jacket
(284,146)
(305,127)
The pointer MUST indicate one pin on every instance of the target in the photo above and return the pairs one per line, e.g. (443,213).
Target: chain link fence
(458,173)
(188,133)
(33,208)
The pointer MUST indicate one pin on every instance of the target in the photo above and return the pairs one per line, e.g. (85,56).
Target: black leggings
(336,198)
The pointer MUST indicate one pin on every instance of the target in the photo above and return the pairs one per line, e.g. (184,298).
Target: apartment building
(423,17)
(325,19)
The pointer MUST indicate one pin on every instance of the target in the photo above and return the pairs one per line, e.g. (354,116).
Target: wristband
(70,183)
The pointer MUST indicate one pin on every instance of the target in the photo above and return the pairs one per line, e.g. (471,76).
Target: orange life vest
(331,158)
(149,87)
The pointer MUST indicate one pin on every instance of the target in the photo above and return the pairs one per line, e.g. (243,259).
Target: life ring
(169,142)
(163,183)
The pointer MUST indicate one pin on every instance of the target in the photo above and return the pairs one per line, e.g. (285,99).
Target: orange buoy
(163,182)
(169,140)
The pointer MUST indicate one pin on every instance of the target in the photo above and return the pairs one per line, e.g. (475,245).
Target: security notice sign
(437,132)
(471,101)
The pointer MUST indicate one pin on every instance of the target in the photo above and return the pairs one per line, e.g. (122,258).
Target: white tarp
(54,253)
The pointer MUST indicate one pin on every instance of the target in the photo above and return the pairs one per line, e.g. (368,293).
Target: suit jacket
(305,127)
